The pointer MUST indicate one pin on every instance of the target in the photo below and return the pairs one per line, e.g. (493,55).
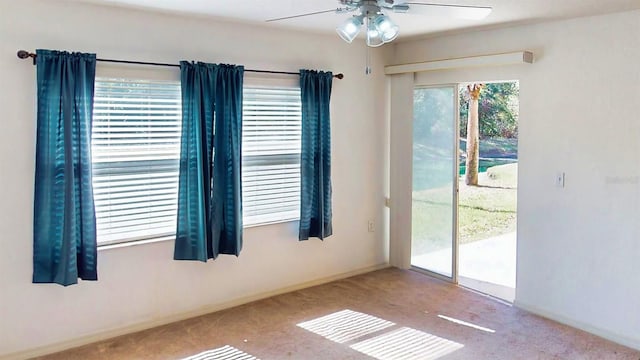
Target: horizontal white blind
(136,153)
(271,139)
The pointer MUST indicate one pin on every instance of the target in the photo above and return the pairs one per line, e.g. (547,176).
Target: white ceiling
(504,12)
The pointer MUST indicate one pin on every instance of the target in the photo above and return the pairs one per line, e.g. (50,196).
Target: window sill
(134,243)
(171,238)
(267,223)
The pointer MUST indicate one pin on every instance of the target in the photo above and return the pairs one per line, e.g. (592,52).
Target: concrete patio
(488,266)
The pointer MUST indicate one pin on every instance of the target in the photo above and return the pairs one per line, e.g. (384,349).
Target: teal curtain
(64,246)
(210,191)
(315,161)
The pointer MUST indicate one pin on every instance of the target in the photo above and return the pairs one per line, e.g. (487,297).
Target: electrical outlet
(372,226)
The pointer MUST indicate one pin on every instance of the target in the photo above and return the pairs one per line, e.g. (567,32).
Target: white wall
(142,284)
(578,247)
(401,169)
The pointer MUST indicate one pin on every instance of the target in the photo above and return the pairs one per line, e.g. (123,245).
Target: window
(136,152)
(271,142)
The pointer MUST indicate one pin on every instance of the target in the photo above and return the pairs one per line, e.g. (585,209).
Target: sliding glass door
(435,180)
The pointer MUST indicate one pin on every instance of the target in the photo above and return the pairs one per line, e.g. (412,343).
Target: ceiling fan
(380,28)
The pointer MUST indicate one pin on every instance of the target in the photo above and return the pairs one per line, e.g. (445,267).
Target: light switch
(560,180)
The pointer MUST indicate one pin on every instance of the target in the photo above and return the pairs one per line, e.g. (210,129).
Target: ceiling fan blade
(336,10)
(389,4)
(457,11)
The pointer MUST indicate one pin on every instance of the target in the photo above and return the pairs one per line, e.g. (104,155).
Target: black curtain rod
(23,54)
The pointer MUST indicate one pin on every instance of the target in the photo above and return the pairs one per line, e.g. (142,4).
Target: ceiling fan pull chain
(367,68)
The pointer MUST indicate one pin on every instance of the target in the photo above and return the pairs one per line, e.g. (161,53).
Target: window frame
(271,82)
(135,158)
(116,71)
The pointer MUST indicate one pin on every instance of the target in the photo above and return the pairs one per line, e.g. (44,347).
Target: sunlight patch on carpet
(224,353)
(406,344)
(346,325)
(460,322)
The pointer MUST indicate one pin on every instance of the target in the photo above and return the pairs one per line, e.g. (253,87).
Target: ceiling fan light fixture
(374,35)
(349,29)
(388,29)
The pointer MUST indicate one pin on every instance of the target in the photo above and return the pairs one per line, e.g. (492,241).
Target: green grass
(484,211)
(432,163)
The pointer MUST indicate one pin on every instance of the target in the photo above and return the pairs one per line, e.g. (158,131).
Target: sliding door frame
(455,189)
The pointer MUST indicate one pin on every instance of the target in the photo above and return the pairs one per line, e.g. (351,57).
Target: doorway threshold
(501,292)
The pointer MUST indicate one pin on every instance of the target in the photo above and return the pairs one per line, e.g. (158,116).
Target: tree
(498,110)
(473,135)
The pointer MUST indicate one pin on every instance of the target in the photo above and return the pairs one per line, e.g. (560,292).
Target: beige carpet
(384,315)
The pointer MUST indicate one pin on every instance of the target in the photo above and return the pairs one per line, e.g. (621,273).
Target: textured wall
(142,283)
(578,246)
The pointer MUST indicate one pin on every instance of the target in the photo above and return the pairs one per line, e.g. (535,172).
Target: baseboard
(108,334)
(617,338)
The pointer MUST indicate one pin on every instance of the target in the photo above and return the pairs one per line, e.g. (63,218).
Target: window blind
(271,141)
(135,154)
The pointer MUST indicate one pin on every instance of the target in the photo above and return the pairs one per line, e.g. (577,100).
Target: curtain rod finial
(23,54)
(339,76)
